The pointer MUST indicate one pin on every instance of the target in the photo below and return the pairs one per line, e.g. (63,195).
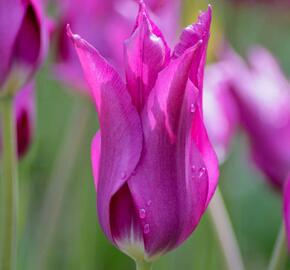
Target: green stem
(142,265)
(9,184)
(279,255)
(59,181)
(225,233)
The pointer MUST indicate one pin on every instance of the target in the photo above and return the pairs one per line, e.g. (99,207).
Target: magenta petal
(189,37)
(164,187)
(259,92)
(28,44)
(121,136)
(200,137)
(8,32)
(286,209)
(24,107)
(146,53)
(25,35)
(195,32)
(96,154)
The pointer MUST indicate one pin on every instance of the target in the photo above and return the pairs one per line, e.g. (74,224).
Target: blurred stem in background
(9,184)
(279,256)
(225,233)
(142,265)
(62,173)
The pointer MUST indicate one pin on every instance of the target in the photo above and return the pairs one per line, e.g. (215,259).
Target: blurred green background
(68,235)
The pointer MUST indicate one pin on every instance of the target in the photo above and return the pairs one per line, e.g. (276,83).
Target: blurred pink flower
(24,111)
(262,95)
(154,168)
(24,40)
(106,24)
(220,114)
(24,106)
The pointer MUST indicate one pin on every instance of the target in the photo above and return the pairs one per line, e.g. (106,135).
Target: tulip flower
(220,114)
(25,117)
(154,168)
(104,18)
(23,42)
(262,96)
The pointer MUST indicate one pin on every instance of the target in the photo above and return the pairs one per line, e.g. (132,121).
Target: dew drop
(192,108)
(149,203)
(146,228)
(142,213)
(193,168)
(201,171)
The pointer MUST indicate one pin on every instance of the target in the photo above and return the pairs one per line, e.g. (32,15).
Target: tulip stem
(279,255)
(142,265)
(9,185)
(225,233)
(59,181)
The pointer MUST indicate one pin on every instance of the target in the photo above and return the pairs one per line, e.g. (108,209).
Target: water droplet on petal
(192,108)
(142,213)
(149,203)
(201,172)
(146,228)
(193,168)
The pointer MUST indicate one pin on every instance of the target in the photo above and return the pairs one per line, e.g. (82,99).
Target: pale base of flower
(132,245)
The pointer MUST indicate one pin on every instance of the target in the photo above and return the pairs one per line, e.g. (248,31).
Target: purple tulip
(220,114)
(23,32)
(24,105)
(106,24)
(154,168)
(24,111)
(262,95)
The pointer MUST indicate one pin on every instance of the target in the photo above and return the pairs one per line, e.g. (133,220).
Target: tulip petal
(200,137)
(146,53)
(190,36)
(25,35)
(24,107)
(286,209)
(258,92)
(121,136)
(28,44)
(8,31)
(95,154)
(165,185)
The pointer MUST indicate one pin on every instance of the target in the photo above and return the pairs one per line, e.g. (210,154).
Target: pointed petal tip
(208,11)
(142,14)
(74,37)
(68,31)
(205,15)
(78,41)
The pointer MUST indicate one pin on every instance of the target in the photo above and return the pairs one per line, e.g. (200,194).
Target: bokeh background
(58,223)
